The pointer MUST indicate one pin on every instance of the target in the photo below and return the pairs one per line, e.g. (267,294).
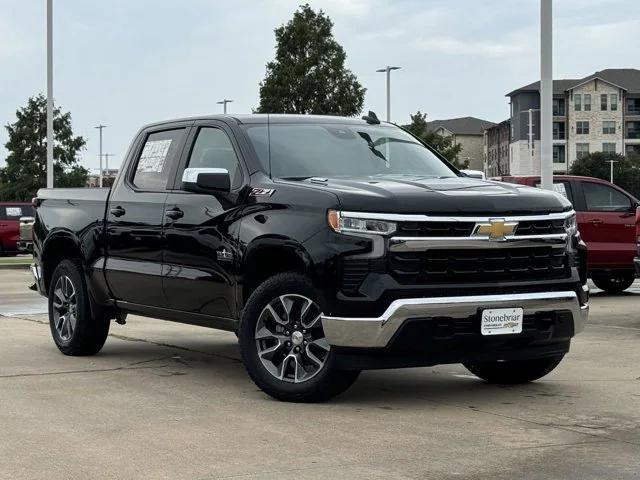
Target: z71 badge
(262,192)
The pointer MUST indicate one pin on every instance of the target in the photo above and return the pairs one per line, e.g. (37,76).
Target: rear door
(201,238)
(606,219)
(135,215)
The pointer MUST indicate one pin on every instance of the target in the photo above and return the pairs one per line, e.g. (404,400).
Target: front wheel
(74,329)
(283,345)
(514,371)
(614,283)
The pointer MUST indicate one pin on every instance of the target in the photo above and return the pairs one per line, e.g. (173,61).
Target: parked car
(329,245)
(10,214)
(609,223)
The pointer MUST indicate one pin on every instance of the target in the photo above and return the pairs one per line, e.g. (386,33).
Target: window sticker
(14,212)
(153,156)
(558,188)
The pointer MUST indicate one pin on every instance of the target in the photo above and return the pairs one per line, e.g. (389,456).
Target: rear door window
(603,198)
(14,212)
(156,159)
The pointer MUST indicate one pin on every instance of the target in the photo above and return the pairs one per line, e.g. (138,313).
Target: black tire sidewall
(605,282)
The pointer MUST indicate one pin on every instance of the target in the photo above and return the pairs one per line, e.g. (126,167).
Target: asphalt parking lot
(164,400)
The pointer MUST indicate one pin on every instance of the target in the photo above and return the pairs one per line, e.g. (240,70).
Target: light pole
(106,161)
(611,162)
(100,127)
(224,104)
(546,94)
(388,69)
(49,93)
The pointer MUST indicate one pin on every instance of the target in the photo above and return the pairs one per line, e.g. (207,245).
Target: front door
(201,231)
(134,220)
(607,225)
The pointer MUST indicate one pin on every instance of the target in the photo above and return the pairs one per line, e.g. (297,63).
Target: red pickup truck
(609,223)
(10,214)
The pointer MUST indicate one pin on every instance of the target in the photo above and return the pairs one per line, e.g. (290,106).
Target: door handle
(174,213)
(596,221)
(117,211)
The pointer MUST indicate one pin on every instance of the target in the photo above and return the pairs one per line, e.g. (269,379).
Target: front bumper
(378,332)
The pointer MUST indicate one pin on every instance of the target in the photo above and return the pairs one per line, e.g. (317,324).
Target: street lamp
(224,104)
(100,127)
(611,162)
(546,94)
(388,69)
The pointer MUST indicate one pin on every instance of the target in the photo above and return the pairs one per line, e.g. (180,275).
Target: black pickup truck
(329,245)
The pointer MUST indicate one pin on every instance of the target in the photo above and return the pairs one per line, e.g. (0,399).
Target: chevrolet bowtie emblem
(497,229)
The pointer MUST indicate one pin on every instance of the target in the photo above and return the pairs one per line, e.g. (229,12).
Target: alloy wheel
(65,308)
(290,340)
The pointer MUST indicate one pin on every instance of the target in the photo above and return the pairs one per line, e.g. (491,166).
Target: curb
(14,266)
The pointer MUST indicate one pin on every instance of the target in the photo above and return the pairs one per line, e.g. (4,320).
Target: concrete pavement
(164,400)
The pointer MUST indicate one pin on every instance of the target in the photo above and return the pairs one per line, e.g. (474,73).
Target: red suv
(10,214)
(609,223)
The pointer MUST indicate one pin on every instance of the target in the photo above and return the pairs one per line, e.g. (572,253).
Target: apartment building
(496,149)
(469,133)
(600,112)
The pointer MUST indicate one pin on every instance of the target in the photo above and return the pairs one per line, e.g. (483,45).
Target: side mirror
(206,180)
(473,174)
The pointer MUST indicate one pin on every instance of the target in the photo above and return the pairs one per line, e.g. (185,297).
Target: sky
(125,63)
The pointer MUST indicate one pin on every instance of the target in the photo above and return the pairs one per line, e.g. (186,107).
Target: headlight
(340,224)
(571,225)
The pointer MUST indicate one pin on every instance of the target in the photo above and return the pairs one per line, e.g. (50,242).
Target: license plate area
(501,321)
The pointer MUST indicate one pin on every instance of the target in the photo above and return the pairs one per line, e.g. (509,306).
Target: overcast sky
(125,63)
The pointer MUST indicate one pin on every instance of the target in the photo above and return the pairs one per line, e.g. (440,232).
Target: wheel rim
(290,340)
(65,308)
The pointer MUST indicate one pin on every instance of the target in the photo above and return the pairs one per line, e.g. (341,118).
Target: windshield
(301,151)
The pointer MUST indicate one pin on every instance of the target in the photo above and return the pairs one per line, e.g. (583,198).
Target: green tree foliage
(444,145)
(26,165)
(308,74)
(626,172)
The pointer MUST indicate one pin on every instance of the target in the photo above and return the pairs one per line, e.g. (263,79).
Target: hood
(421,195)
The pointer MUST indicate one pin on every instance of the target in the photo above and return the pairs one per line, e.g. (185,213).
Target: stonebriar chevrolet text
(329,245)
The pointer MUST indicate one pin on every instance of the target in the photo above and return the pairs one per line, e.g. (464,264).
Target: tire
(297,378)
(87,334)
(615,283)
(515,371)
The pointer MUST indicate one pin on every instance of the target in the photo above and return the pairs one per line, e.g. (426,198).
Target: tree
(308,74)
(26,165)
(626,172)
(443,144)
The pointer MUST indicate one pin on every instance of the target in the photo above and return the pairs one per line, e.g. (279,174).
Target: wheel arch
(58,246)
(269,256)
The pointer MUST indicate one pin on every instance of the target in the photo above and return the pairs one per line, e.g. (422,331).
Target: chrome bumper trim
(377,332)
(412,244)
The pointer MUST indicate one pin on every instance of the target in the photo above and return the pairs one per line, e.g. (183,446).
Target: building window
(633,129)
(558,153)
(582,150)
(577,102)
(608,127)
(558,131)
(603,101)
(614,101)
(582,127)
(633,150)
(633,106)
(609,147)
(587,102)
(558,107)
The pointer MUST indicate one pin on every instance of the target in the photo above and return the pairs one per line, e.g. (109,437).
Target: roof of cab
(273,118)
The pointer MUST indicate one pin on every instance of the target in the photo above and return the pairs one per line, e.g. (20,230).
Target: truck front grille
(478,265)
(436,229)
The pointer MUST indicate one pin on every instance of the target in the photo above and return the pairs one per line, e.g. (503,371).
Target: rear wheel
(515,371)
(283,345)
(615,282)
(75,330)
